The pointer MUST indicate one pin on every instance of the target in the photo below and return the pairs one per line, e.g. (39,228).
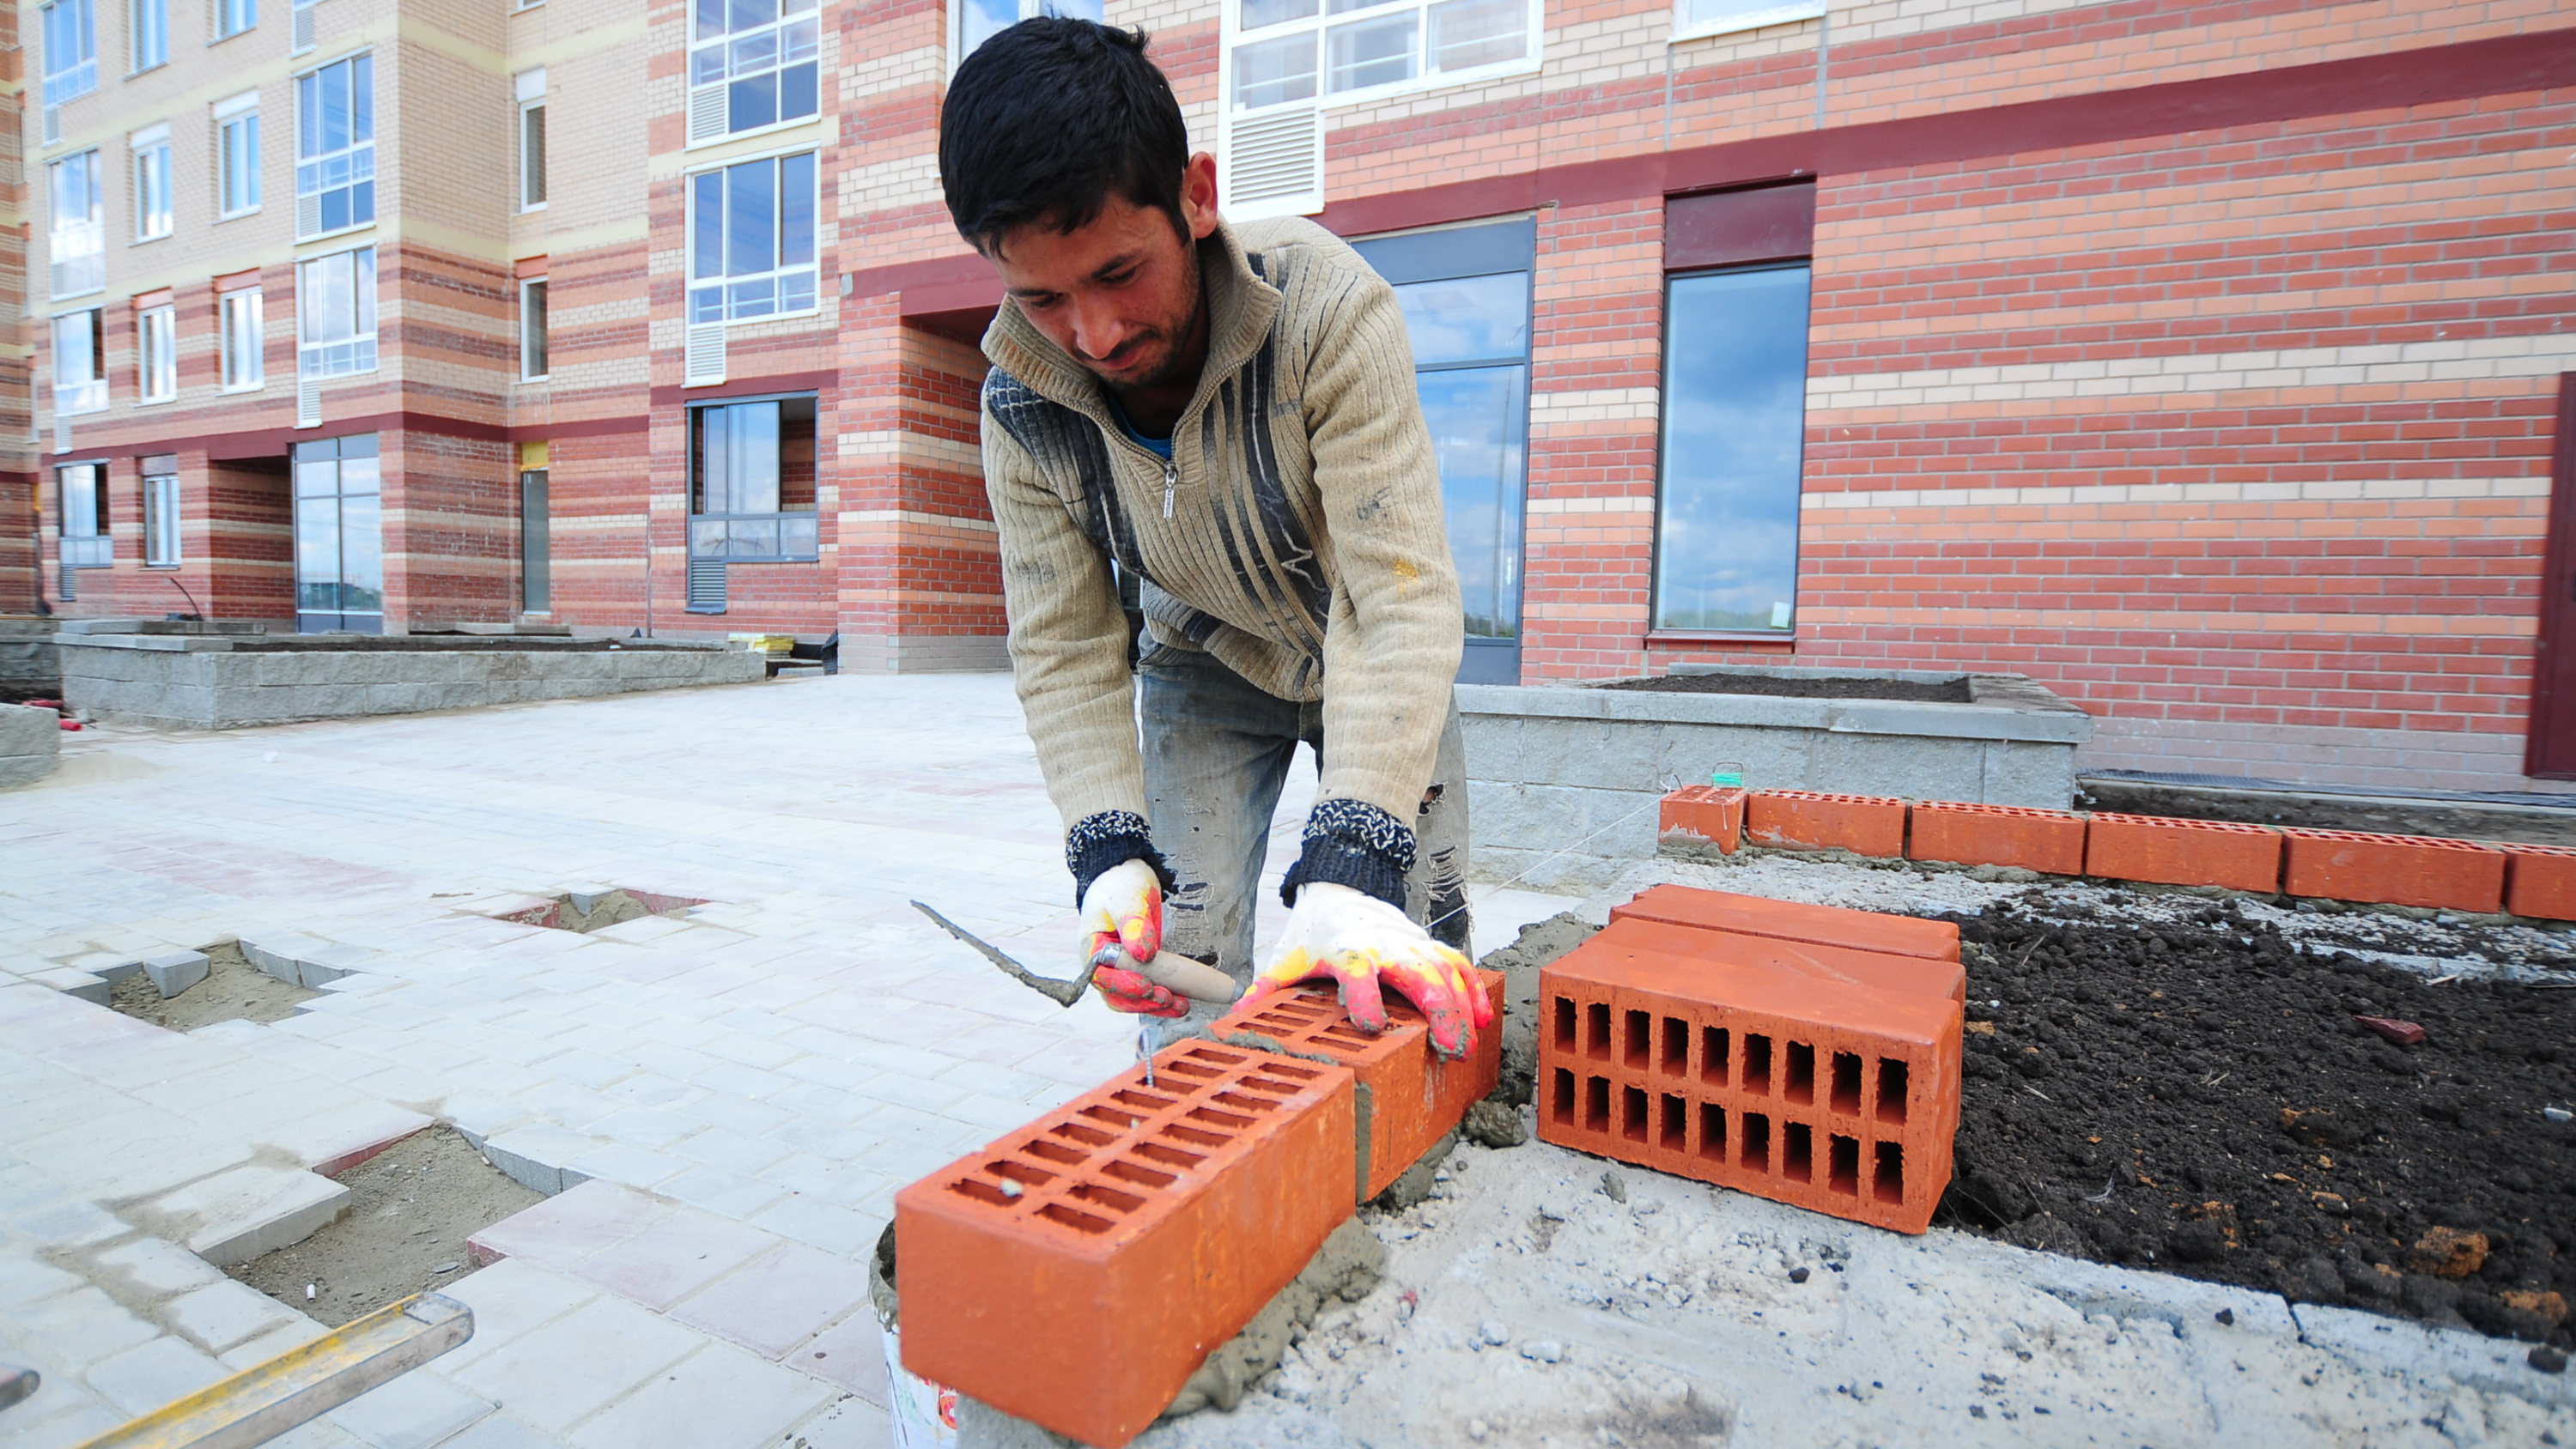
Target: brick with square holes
(1884,970)
(2397,870)
(1704,815)
(1959,834)
(2183,852)
(1812,820)
(1408,1098)
(1793,921)
(2540,881)
(1839,1098)
(1076,1272)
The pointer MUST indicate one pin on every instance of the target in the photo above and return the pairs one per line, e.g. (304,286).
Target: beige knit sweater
(1297,534)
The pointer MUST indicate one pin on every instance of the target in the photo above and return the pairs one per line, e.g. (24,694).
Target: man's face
(1120,295)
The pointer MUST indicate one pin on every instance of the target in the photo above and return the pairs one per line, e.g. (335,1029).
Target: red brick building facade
(2200,359)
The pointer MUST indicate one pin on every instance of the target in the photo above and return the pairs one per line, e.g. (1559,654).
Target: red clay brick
(1881,970)
(1705,814)
(1809,820)
(1842,1098)
(1793,921)
(1961,834)
(2540,880)
(1149,1224)
(2183,852)
(1408,1098)
(2400,870)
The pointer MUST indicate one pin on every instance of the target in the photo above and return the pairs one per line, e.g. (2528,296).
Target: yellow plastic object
(776,646)
(301,1384)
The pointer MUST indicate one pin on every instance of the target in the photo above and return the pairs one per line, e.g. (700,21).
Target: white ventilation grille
(308,403)
(705,355)
(707,114)
(301,30)
(53,125)
(706,586)
(1275,165)
(308,215)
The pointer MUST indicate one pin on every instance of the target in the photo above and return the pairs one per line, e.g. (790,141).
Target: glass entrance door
(339,536)
(1466,299)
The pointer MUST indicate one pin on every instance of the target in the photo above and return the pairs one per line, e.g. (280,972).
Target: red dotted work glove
(1366,946)
(1123,911)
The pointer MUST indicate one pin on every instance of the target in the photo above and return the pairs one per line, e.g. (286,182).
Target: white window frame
(227,10)
(156,355)
(690,282)
(138,31)
(76,398)
(709,52)
(534,344)
(359,343)
(1027,9)
(150,172)
(76,238)
(1233,38)
(69,82)
(161,521)
(1744,17)
(237,117)
(531,86)
(355,158)
(241,332)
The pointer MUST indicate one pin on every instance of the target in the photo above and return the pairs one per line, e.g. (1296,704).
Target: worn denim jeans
(1217,750)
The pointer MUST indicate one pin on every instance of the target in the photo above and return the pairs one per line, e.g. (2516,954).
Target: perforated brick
(1704,815)
(1883,970)
(1407,1097)
(1962,834)
(2183,852)
(2540,880)
(2401,870)
(1835,1097)
(1793,921)
(1076,1272)
(1809,820)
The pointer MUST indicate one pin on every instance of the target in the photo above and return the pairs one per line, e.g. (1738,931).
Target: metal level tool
(301,1384)
(1170,969)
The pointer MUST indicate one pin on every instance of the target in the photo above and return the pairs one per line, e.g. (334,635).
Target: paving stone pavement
(725,1101)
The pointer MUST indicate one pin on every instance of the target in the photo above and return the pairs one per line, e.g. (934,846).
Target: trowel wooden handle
(1179,973)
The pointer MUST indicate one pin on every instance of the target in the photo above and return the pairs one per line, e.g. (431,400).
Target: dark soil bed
(2199,1099)
(1790,686)
(2460,821)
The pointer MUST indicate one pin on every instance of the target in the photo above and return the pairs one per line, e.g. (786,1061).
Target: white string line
(1668,785)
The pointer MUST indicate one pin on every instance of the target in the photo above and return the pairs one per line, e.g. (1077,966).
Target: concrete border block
(233,1217)
(177,971)
(72,981)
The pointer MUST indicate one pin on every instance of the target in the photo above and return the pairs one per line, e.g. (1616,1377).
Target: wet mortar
(234,990)
(410,1209)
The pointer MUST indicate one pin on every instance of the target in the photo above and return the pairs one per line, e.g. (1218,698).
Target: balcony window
(148,26)
(978,21)
(86,544)
(76,235)
(752,63)
(751,250)
(156,354)
(1695,18)
(1287,51)
(237,164)
(242,338)
(80,363)
(161,511)
(71,50)
(335,147)
(152,211)
(532,329)
(335,306)
(232,17)
(751,481)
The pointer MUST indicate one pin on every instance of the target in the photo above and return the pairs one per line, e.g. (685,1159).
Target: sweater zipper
(1171,480)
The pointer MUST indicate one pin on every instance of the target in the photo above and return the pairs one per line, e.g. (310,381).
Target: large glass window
(751,481)
(82,489)
(71,50)
(156,354)
(339,536)
(80,363)
(335,147)
(335,306)
(751,250)
(242,339)
(152,218)
(148,22)
(978,21)
(763,52)
(76,225)
(237,164)
(161,511)
(1735,385)
(1286,50)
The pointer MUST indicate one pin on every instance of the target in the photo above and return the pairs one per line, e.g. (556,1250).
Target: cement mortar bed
(223,681)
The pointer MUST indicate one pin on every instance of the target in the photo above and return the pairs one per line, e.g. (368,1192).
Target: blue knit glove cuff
(1105,841)
(1353,843)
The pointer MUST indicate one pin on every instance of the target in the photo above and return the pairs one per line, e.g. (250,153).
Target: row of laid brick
(1807,1054)
(2345,865)
(1166,1207)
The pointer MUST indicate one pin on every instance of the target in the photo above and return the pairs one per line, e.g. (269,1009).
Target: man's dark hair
(1049,117)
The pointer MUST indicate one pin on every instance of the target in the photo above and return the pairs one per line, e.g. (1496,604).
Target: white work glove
(1123,910)
(1365,944)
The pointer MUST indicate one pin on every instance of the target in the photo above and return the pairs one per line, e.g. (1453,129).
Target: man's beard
(1177,350)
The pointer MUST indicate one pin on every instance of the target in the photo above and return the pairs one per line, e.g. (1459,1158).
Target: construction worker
(1226,418)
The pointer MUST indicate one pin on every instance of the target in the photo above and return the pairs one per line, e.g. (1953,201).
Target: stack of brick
(2407,870)
(1166,1208)
(1801,1053)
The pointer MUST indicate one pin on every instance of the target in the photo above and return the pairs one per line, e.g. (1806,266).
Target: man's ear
(1198,196)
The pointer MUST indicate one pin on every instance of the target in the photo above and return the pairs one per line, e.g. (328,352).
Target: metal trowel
(1170,969)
